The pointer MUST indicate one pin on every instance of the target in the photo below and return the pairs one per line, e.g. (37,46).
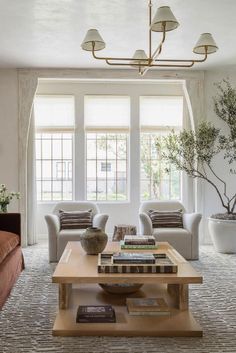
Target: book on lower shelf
(147,306)
(95,314)
(163,264)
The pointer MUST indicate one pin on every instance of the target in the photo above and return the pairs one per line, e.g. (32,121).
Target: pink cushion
(8,242)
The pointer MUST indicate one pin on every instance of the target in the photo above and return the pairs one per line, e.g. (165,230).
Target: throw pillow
(166,219)
(75,219)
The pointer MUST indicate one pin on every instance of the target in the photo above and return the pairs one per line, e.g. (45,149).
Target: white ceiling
(48,33)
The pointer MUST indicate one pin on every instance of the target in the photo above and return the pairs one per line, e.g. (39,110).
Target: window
(158,115)
(54,120)
(107,133)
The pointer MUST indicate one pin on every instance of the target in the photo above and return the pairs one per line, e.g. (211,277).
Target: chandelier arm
(173,65)
(158,50)
(146,67)
(182,60)
(109,58)
(191,61)
(122,64)
(144,71)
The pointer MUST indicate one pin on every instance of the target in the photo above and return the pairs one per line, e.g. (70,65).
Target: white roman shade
(54,112)
(161,112)
(111,113)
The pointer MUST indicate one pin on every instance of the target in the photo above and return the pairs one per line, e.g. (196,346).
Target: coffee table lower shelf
(179,323)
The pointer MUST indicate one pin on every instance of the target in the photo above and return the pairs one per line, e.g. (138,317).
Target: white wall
(9,131)
(211,202)
(125,212)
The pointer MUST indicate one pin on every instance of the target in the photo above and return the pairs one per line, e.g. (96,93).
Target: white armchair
(58,238)
(184,240)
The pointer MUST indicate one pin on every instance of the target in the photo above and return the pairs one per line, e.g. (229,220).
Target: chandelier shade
(141,58)
(205,44)
(164,16)
(93,38)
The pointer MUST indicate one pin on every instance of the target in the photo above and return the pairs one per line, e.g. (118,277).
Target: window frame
(57,130)
(127,139)
(150,129)
(157,160)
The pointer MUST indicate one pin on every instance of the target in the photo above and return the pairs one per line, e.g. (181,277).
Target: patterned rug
(27,318)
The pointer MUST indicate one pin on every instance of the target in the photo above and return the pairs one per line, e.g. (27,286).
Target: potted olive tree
(194,152)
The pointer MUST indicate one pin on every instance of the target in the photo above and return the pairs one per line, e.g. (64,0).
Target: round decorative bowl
(120,288)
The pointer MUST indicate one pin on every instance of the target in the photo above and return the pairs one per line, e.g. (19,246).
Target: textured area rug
(27,318)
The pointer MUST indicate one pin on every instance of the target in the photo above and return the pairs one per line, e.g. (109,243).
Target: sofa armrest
(191,223)
(145,224)
(11,222)
(53,224)
(100,220)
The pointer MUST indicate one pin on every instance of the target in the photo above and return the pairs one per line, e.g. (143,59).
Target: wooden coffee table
(77,277)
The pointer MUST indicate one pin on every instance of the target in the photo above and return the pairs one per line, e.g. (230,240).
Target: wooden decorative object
(121,230)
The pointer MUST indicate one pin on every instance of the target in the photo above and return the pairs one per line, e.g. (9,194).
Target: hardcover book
(163,264)
(124,246)
(147,306)
(138,240)
(95,314)
(133,258)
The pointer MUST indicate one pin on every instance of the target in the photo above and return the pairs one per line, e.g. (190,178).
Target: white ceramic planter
(223,235)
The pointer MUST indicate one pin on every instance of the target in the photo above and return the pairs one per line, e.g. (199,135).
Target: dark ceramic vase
(93,241)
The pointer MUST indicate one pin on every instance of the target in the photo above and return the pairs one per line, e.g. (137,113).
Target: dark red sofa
(11,257)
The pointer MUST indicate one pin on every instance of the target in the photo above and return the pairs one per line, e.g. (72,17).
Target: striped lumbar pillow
(76,219)
(166,219)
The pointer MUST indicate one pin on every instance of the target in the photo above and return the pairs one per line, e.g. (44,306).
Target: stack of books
(138,242)
(128,262)
(95,314)
(147,306)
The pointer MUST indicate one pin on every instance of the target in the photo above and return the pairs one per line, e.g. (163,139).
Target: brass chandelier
(163,21)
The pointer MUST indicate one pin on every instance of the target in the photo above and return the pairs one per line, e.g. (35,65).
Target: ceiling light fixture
(163,21)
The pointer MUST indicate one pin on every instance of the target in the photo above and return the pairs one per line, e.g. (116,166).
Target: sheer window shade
(161,112)
(106,113)
(52,112)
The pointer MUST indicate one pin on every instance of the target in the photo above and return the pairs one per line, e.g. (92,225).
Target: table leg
(180,294)
(64,295)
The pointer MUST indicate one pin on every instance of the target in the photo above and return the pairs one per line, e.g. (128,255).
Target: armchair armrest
(53,224)
(145,224)
(191,223)
(100,220)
